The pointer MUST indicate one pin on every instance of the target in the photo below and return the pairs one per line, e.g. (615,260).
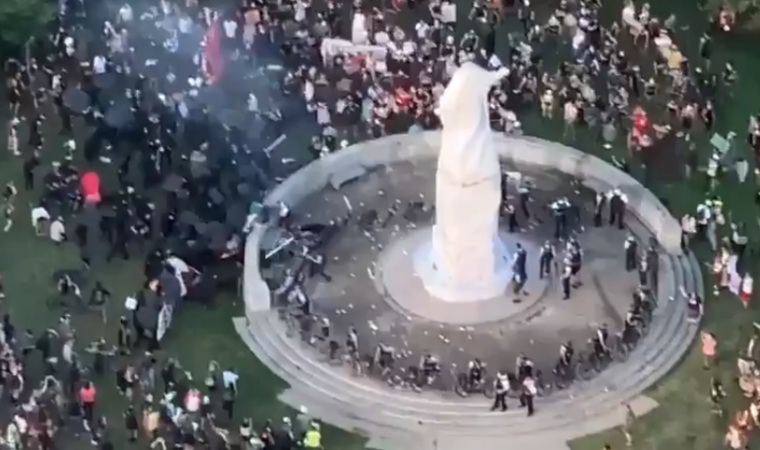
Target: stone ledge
(591,170)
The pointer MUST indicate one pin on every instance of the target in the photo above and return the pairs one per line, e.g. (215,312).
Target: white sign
(359,33)
(164,320)
(332,47)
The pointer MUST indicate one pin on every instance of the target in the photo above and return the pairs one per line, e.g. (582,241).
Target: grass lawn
(198,336)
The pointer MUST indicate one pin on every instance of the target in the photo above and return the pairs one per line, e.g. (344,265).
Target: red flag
(213,60)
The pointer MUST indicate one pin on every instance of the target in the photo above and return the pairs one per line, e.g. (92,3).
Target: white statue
(469,261)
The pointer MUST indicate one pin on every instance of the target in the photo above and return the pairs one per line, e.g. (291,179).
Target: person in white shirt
(448,13)
(229,379)
(230,28)
(185,25)
(68,42)
(40,220)
(58,231)
(125,13)
(99,64)
(253,103)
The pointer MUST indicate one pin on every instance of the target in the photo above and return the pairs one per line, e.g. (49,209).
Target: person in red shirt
(87,394)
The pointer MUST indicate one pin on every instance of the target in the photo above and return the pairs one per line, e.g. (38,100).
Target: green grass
(683,422)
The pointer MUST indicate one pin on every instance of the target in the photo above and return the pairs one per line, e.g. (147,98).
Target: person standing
(545,260)
(500,387)
(630,418)
(618,202)
(523,194)
(509,210)
(709,349)
(528,395)
(631,250)
(87,394)
(228,401)
(567,277)
(599,203)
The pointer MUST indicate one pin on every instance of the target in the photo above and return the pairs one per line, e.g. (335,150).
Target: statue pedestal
(492,283)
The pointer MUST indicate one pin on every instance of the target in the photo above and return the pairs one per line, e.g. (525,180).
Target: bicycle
(618,350)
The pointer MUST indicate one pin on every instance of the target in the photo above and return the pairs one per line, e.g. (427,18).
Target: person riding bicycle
(431,367)
(385,356)
(566,352)
(352,341)
(523,367)
(642,299)
(600,341)
(475,372)
(633,320)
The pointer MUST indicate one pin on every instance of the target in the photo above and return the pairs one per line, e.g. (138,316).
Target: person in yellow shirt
(313,437)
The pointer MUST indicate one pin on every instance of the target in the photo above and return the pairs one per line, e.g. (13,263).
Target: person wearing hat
(501,387)
(617,203)
(313,437)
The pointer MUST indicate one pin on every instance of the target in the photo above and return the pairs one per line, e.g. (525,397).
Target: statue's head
(464,103)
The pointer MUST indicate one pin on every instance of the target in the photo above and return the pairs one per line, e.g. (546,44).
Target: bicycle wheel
(488,390)
(584,370)
(459,389)
(620,352)
(545,389)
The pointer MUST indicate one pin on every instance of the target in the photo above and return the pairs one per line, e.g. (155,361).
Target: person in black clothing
(8,328)
(168,375)
(119,245)
(130,423)
(28,169)
(81,234)
(36,139)
(44,345)
(124,336)
(99,300)
(228,401)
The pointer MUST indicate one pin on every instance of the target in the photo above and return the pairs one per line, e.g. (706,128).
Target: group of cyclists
(603,347)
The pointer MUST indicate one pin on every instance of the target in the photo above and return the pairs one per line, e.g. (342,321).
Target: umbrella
(255,128)
(215,231)
(200,227)
(104,81)
(211,97)
(231,118)
(244,189)
(84,35)
(119,115)
(173,183)
(188,218)
(218,244)
(216,196)
(170,285)
(235,216)
(77,101)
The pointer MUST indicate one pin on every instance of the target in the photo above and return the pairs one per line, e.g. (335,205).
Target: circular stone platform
(373,288)
(392,419)
(404,291)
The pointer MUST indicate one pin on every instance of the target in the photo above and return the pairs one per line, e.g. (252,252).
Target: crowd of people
(189,106)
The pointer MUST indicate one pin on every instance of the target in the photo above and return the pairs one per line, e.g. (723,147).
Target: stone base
(405,292)
(444,287)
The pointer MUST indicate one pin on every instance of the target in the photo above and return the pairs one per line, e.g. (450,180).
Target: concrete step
(665,318)
(396,419)
(375,393)
(385,402)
